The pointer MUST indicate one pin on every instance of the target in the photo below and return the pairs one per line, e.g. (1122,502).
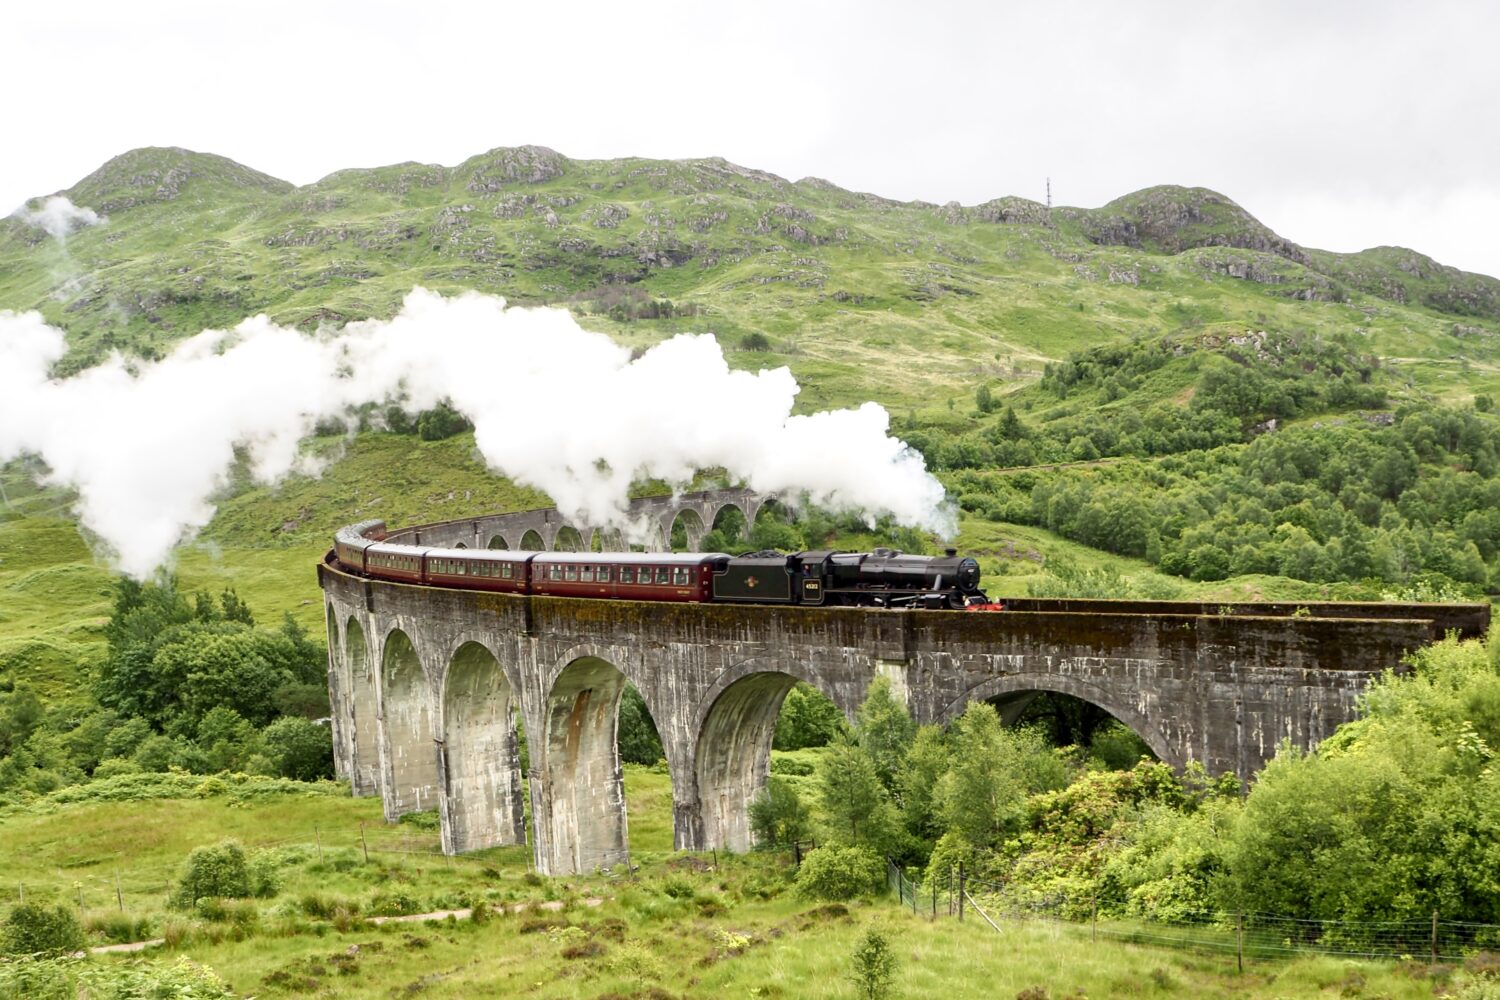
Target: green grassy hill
(862,296)
(1080,320)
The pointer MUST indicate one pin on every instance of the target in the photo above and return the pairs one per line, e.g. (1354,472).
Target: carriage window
(505,571)
(603,574)
(554,572)
(680,576)
(586,574)
(627,574)
(661,574)
(570,573)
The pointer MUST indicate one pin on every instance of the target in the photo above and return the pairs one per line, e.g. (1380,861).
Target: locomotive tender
(882,578)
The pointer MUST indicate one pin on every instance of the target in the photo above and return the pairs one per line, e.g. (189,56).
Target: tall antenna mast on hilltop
(1049,196)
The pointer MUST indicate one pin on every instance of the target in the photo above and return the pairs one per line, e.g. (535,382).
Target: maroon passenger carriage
(627,576)
(882,578)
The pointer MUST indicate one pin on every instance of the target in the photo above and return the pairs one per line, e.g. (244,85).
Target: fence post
(1434,936)
(319,835)
(1094,914)
(1239,941)
(119,896)
(960,892)
(934,896)
(362,842)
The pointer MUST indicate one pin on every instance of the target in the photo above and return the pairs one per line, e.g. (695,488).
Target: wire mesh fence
(1244,934)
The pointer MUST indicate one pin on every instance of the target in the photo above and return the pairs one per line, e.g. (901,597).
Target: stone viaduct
(427,684)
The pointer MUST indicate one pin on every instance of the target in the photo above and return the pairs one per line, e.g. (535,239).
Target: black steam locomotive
(883,578)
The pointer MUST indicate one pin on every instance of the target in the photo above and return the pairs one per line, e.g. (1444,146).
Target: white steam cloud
(148,444)
(58,216)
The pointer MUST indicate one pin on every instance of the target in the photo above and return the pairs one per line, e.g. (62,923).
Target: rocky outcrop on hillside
(156,174)
(1172,219)
(502,167)
(1411,278)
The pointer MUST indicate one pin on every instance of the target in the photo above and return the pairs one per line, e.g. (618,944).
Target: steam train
(882,578)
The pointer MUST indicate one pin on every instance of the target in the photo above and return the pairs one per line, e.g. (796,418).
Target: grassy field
(683,926)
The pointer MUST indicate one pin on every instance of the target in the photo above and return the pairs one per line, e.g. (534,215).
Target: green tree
(778,816)
(228,739)
(982,796)
(926,762)
(639,741)
(442,421)
(808,719)
(1396,815)
(299,748)
(853,804)
(885,731)
(984,400)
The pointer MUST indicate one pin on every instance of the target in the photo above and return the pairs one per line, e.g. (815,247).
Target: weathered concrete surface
(1221,687)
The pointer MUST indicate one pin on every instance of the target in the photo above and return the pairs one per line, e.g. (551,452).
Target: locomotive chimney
(950,553)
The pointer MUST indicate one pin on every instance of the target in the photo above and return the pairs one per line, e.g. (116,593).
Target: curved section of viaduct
(428,683)
(547,530)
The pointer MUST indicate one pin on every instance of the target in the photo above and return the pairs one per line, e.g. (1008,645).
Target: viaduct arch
(425,683)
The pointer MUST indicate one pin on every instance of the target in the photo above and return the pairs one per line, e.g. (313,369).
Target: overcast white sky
(1341,124)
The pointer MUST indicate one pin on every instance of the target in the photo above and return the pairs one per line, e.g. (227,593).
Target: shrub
(264,874)
(33,929)
(839,873)
(110,767)
(221,870)
(755,342)
(874,967)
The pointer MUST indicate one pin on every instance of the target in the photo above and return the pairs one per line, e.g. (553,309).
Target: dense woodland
(185,684)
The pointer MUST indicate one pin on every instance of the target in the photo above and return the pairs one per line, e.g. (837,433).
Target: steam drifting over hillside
(148,444)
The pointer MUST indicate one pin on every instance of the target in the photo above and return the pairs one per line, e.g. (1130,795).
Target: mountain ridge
(843,283)
(1146,214)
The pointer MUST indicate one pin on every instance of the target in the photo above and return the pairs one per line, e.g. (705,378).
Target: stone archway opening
(532,541)
(483,789)
(568,539)
(744,723)
(364,768)
(1070,721)
(498,542)
(411,765)
(1072,707)
(579,803)
(728,532)
(775,528)
(687,532)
